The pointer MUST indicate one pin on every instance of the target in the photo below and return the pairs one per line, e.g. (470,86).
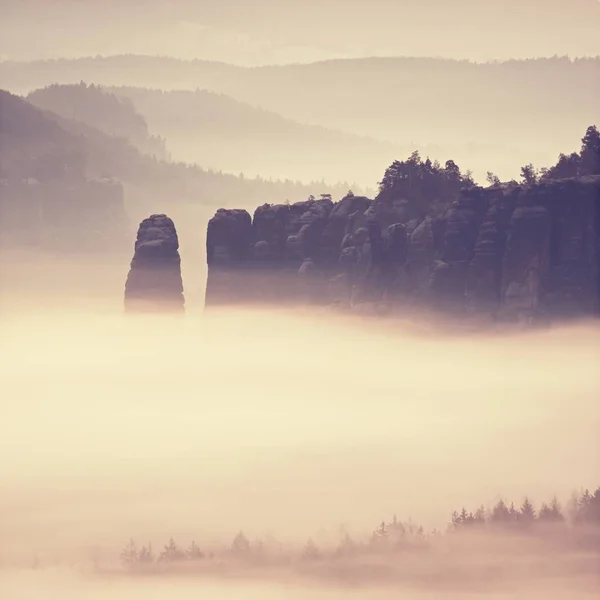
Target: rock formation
(512,253)
(154,281)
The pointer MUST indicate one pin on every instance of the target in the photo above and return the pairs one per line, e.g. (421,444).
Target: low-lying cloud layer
(277,423)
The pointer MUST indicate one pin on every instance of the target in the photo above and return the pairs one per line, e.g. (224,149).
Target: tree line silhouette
(52,147)
(428,187)
(581,513)
(576,164)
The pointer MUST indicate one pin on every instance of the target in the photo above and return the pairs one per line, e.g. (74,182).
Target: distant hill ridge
(43,145)
(111,114)
(528,109)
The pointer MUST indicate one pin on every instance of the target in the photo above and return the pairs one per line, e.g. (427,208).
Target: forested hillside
(219,132)
(504,113)
(45,146)
(114,115)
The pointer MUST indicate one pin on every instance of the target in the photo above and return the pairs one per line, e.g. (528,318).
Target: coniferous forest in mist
(299,300)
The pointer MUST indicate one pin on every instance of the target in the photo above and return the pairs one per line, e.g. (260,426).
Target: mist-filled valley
(299,300)
(306,430)
(288,427)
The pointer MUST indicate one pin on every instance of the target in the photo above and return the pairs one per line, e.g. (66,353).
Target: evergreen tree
(462,520)
(583,506)
(146,555)
(455,522)
(380,536)
(466,518)
(586,162)
(588,508)
(452,171)
(397,529)
(171,553)
(480,516)
(129,554)
(422,185)
(501,515)
(551,513)
(492,179)
(529,174)
(382,531)
(526,515)
(594,507)
(567,166)
(240,545)
(193,552)
(590,151)
(398,532)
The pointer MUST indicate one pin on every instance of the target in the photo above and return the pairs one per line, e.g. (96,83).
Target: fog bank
(281,423)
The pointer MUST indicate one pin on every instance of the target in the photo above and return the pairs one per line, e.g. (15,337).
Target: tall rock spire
(154,281)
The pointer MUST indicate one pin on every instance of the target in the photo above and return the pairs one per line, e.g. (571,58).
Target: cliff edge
(509,252)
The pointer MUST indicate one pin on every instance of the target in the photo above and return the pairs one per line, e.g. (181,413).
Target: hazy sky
(265,31)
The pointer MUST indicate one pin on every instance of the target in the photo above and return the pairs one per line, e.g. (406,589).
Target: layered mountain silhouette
(67,185)
(113,115)
(218,132)
(43,145)
(505,113)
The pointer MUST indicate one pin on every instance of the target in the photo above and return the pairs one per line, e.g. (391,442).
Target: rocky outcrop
(154,282)
(511,253)
(267,258)
(526,264)
(485,269)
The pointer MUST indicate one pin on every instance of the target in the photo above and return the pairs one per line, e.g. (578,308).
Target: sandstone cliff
(508,252)
(154,281)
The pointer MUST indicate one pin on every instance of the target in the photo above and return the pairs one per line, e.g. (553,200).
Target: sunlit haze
(299,299)
(264,32)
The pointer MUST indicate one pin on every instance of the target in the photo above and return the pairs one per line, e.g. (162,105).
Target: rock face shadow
(506,254)
(154,282)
